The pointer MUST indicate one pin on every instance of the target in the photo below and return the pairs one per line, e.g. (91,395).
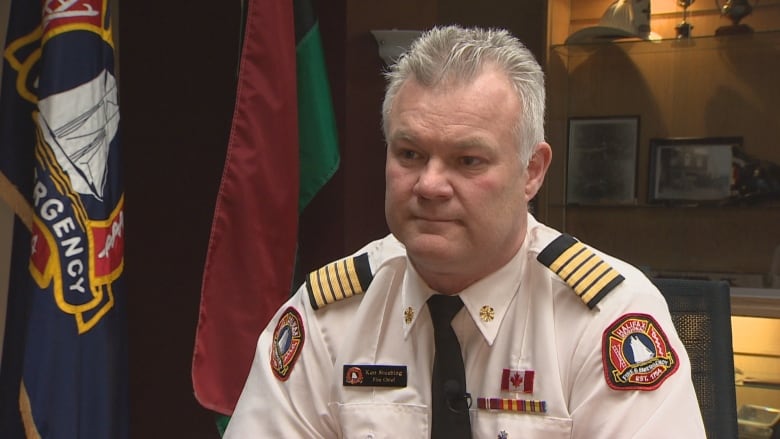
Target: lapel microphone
(458,400)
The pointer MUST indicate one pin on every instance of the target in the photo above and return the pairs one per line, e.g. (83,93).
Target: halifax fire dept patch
(287,343)
(636,354)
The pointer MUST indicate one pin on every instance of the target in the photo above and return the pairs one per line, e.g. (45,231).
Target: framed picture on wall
(692,169)
(602,160)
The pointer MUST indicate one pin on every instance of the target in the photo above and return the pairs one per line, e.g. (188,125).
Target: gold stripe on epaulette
(339,280)
(585,272)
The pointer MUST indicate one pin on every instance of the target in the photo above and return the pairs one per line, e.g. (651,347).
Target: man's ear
(537,169)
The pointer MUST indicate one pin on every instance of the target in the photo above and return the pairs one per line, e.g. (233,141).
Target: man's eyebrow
(473,142)
(402,135)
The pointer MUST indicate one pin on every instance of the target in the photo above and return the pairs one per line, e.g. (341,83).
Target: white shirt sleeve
(598,410)
(270,406)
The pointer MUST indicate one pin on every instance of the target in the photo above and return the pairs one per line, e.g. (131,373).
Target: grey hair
(457,54)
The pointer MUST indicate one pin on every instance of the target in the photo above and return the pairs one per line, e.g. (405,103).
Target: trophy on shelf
(684,28)
(735,10)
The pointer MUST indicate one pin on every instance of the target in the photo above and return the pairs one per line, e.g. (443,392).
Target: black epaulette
(339,280)
(584,271)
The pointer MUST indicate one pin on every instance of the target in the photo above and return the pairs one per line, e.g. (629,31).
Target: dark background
(177,88)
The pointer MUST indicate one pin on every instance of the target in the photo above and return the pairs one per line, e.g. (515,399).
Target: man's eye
(471,161)
(408,154)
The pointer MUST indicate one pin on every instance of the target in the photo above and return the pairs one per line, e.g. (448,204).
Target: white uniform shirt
(523,319)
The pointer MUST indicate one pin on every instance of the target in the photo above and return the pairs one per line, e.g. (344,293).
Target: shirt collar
(486,301)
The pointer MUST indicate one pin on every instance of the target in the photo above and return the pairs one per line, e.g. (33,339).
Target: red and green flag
(282,149)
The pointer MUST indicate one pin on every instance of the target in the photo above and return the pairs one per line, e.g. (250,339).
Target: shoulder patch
(287,343)
(339,280)
(584,271)
(637,354)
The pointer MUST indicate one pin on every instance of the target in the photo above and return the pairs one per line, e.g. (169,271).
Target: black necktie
(448,382)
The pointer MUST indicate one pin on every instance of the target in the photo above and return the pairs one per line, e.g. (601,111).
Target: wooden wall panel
(690,239)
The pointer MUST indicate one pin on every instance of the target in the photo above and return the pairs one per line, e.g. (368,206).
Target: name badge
(374,375)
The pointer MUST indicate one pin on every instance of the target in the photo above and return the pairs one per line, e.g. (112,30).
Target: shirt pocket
(513,425)
(383,420)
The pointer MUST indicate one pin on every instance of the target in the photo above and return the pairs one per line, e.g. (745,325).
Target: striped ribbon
(514,405)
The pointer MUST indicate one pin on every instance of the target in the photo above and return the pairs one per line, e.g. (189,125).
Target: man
(557,339)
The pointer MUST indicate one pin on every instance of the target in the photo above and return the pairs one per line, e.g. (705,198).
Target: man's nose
(433,181)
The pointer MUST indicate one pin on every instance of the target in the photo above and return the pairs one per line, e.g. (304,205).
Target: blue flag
(64,366)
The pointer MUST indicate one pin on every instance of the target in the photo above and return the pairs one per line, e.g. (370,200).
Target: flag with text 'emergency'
(64,364)
(282,149)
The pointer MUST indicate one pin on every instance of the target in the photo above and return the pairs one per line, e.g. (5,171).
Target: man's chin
(428,247)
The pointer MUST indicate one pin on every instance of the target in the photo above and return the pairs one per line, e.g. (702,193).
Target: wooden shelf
(755,302)
(637,46)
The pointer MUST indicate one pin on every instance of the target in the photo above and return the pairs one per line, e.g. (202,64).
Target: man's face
(456,192)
